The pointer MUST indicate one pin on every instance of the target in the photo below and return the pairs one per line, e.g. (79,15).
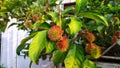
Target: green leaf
(55,16)
(3,26)
(22,44)
(74,25)
(44,25)
(75,57)
(67,10)
(50,47)
(95,17)
(41,2)
(4,22)
(80,4)
(37,24)
(99,28)
(96,52)
(58,56)
(52,2)
(41,25)
(37,45)
(93,23)
(89,64)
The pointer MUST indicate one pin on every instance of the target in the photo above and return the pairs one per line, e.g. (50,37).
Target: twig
(108,48)
(59,65)
(110,57)
(30,65)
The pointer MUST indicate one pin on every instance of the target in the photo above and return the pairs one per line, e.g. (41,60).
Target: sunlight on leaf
(37,45)
(50,47)
(75,25)
(80,4)
(74,57)
(89,64)
(95,16)
(22,43)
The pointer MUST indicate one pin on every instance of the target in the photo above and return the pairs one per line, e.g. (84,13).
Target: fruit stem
(60,16)
(30,65)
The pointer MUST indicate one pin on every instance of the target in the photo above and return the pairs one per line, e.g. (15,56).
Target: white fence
(9,41)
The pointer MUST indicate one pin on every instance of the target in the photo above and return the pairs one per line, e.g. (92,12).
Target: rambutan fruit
(63,44)
(114,39)
(117,33)
(94,50)
(55,33)
(90,37)
(35,18)
(89,47)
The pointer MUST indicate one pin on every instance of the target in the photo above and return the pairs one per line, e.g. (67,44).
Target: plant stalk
(30,65)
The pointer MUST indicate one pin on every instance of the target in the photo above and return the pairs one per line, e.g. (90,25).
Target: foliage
(87,28)
(2,66)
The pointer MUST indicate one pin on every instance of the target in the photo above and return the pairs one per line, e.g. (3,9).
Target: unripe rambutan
(89,47)
(96,52)
(63,43)
(90,37)
(35,17)
(55,33)
(93,50)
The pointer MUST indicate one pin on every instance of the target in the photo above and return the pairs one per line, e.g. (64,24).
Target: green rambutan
(93,50)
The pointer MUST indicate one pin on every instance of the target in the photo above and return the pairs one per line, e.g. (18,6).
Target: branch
(108,48)
(30,65)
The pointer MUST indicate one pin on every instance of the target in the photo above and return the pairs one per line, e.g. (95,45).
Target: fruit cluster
(55,33)
(91,48)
